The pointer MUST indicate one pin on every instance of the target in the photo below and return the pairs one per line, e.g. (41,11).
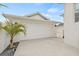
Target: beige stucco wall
(35,29)
(71,29)
(4,40)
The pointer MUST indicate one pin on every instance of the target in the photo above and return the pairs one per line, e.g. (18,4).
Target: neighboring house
(37,26)
(36,16)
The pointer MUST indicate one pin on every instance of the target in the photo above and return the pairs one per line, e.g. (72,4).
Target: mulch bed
(8,51)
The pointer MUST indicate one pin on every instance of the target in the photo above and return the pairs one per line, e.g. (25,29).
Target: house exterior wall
(71,28)
(4,40)
(35,29)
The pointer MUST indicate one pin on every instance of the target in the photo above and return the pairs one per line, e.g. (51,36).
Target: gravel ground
(8,51)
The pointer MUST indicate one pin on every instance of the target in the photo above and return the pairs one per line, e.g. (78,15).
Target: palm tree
(13,29)
(2,5)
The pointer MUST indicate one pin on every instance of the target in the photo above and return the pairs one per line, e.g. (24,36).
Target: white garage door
(39,30)
(36,30)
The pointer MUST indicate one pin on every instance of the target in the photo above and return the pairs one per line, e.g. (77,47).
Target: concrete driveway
(45,47)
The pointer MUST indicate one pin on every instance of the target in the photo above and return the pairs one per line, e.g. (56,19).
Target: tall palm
(2,5)
(13,29)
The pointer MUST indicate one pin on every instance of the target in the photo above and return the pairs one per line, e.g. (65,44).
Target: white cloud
(53,19)
(52,10)
(55,11)
(61,12)
(47,15)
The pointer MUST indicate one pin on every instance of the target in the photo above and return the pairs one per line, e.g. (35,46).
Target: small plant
(13,29)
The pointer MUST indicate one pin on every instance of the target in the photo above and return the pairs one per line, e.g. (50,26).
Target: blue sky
(50,10)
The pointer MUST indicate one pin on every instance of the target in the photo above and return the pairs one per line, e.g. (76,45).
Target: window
(76,6)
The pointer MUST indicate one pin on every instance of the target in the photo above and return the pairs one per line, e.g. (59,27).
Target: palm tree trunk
(11,42)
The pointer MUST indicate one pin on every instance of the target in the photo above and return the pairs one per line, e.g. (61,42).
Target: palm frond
(3,5)
(14,29)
